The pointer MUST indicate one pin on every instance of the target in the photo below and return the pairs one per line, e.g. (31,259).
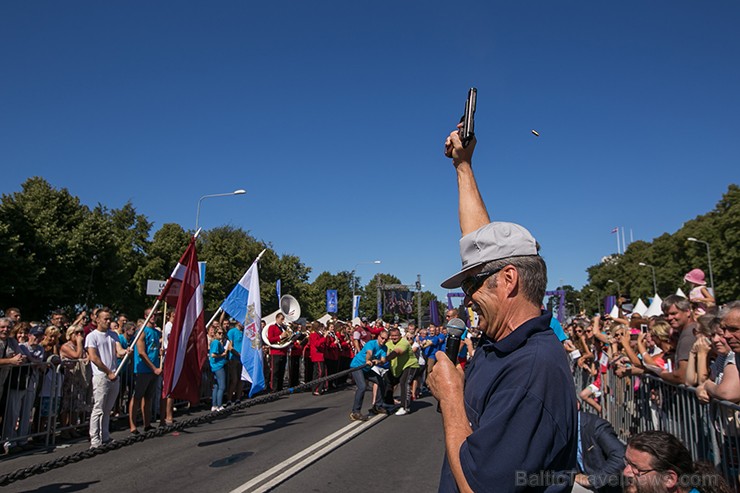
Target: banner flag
(331,301)
(187,347)
(355,306)
(251,352)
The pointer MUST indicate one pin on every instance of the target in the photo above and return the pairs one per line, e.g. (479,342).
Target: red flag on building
(187,346)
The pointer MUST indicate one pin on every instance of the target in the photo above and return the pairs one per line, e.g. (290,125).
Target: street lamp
(619,290)
(598,300)
(709,260)
(197,214)
(655,286)
(354,281)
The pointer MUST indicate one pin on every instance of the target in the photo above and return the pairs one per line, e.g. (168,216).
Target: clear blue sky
(333,115)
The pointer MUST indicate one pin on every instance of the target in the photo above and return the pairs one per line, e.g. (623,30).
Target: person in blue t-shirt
(217,357)
(146,373)
(235,335)
(372,354)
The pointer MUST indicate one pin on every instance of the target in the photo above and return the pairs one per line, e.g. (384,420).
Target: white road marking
(273,477)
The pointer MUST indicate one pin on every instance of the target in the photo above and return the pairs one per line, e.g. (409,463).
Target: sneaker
(401,412)
(357,417)
(220,408)
(214,408)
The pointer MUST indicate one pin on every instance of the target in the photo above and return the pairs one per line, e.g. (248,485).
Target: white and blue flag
(243,304)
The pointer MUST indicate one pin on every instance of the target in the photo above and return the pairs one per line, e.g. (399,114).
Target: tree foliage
(673,255)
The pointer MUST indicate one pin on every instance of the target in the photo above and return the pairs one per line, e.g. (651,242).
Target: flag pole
(138,335)
(146,321)
(218,312)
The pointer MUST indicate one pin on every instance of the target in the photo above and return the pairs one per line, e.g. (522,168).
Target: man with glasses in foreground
(509,419)
(657,462)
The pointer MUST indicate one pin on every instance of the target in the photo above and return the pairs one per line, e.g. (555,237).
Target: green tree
(58,247)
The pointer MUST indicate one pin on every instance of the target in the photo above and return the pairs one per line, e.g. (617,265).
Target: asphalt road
(401,453)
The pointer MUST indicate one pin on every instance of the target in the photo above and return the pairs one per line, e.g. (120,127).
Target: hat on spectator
(695,276)
(36,331)
(494,241)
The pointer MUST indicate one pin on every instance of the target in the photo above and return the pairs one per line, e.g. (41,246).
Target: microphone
(455,329)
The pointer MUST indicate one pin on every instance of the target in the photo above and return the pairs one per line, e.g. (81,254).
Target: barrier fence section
(645,402)
(44,402)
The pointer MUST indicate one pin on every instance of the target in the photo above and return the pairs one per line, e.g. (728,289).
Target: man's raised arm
(472,210)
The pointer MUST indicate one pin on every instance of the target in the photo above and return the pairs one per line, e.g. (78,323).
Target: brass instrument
(292,310)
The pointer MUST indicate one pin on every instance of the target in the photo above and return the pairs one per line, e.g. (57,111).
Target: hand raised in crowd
(625,338)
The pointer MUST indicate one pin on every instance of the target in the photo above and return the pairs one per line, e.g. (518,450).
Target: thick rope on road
(43,467)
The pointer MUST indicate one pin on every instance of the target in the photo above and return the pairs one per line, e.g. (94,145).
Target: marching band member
(277,356)
(317,342)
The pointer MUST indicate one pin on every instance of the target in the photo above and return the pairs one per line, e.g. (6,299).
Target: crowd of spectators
(46,372)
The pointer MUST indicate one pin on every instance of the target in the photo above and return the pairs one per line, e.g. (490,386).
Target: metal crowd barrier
(711,431)
(53,402)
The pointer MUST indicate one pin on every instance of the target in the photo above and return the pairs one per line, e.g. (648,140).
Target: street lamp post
(652,269)
(354,281)
(709,261)
(197,214)
(598,300)
(619,290)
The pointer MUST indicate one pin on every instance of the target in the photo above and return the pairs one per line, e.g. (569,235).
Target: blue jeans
(219,386)
(361,378)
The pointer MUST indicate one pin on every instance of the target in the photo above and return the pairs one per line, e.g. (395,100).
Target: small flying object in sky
(535,133)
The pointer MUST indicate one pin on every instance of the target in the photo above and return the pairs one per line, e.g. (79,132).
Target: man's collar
(518,336)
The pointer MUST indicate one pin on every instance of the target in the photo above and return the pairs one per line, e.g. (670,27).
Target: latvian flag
(187,347)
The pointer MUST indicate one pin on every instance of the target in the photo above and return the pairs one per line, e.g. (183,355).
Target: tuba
(292,310)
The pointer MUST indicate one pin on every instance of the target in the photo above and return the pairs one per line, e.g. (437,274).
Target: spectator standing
(726,342)
(235,335)
(76,381)
(146,374)
(217,357)
(103,349)
(13,372)
(35,353)
(677,310)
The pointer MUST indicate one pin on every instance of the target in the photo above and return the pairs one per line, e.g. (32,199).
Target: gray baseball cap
(493,241)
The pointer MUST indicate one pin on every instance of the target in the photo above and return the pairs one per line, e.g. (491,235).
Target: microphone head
(455,327)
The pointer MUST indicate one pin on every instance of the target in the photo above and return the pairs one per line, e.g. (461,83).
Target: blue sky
(332,115)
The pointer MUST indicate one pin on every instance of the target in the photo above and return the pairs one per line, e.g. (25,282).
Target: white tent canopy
(654,309)
(640,307)
(681,293)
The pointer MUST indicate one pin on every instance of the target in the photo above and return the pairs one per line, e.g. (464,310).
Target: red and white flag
(615,230)
(187,346)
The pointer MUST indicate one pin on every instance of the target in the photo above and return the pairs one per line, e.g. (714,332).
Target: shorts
(145,385)
(49,406)
(595,390)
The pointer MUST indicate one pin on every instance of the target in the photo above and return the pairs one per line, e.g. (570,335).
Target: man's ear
(669,479)
(510,277)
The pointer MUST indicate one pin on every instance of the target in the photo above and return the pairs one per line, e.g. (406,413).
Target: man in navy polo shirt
(510,420)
